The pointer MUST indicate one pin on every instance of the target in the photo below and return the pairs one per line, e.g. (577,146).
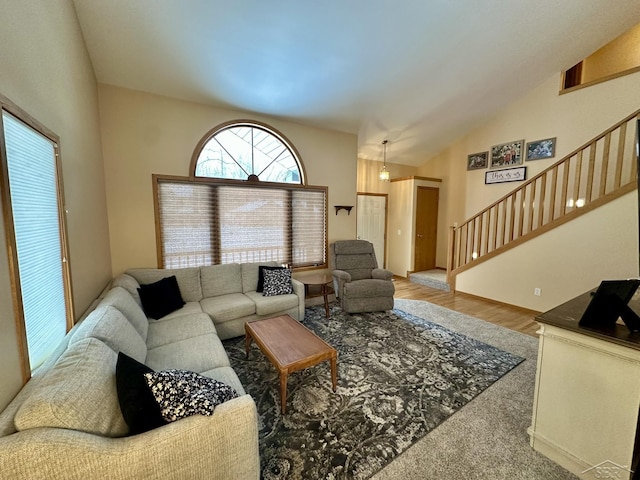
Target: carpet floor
(486,439)
(382,426)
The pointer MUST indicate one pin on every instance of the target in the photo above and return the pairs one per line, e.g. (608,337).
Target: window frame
(10,236)
(246,123)
(158,178)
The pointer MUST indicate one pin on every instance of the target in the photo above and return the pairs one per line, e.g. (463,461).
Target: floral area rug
(399,376)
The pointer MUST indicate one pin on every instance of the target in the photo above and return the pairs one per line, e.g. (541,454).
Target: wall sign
(507,175)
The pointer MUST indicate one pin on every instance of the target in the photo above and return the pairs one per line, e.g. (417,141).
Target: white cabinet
(587,398)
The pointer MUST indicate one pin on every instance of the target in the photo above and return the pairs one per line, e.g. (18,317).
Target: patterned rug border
(319,434)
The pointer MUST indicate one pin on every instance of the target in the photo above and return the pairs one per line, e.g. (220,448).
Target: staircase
(596,173)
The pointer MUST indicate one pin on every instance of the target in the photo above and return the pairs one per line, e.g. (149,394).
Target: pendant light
(384,173)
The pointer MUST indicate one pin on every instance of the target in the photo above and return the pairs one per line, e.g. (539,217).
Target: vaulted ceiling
(420,73)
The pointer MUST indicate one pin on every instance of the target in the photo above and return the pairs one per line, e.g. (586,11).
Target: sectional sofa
(67,422)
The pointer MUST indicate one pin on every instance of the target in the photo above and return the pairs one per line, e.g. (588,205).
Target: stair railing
(601,170)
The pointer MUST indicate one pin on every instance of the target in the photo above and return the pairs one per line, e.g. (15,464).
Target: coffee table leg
(247,343)
(334,372)
(283,391)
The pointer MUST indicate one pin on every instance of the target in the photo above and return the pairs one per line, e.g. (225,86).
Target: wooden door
(371,223)
(426,229)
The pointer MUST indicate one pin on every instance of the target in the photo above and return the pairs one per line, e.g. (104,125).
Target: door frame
(386,222)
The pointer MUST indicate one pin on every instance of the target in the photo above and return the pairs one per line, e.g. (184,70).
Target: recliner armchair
(360,286)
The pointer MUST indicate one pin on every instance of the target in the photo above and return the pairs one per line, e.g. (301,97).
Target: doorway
(371,223)
(426,228)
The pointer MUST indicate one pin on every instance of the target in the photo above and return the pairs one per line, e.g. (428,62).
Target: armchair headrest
(352,247)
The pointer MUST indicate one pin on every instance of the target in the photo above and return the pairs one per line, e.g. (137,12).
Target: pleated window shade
(186,212)
(206,224)
(33,185)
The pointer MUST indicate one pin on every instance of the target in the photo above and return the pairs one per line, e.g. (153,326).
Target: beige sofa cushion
(227,376)
(78,393)
(197,354)
(188,279)
(111,327)
(274,304)
(189,308)
(221,279)
(180,328)
(121,299)
(130,284)
(228,307)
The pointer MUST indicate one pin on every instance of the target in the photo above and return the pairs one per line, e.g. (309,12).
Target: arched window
(247,151)
(245,200)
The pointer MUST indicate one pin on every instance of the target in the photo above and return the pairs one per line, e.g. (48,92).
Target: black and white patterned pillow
(277,282)
(181,393)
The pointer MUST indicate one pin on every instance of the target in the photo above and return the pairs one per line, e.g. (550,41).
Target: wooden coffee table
(290,347)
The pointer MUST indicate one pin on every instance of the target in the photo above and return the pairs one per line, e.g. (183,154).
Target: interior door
(426,229)
(371,223)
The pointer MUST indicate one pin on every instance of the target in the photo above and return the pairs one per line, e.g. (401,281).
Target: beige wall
(146,134)
(369,179)
(46,72)
(574,118)
(565,262)
(401,225)
(399,207)
(617,56)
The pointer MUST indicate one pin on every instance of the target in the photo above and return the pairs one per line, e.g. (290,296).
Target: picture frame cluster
(512,154)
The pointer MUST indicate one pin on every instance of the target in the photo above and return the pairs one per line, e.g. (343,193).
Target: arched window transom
(243,151)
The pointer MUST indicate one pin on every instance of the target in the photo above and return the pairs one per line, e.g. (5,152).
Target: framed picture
(507,154)
(476,161)
(541,149)
(507,175)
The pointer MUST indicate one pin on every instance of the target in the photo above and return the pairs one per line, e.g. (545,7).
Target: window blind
(186,212)
(255,225)
(205,224)
(33,184)
(308,227)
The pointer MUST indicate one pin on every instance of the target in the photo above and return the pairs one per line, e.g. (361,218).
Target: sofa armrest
(340,277)
(381,274)
(221,446)
(298,289)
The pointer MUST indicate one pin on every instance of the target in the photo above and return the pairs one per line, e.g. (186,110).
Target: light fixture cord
(384,159)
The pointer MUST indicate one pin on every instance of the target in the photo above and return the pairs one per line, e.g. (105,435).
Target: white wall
(46,71)
(146,134)
(574,118)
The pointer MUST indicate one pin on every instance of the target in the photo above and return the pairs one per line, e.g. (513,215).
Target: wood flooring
(509,316)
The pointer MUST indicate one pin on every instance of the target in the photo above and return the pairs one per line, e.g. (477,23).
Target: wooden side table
(322,280)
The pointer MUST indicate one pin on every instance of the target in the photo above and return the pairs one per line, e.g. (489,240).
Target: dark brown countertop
(568,315)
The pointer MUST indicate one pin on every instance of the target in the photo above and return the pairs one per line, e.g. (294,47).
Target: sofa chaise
(66,422)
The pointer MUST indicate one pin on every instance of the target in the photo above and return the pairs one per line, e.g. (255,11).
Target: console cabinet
(587,395)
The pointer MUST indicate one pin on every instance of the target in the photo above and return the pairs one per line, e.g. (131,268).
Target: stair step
(431,278)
